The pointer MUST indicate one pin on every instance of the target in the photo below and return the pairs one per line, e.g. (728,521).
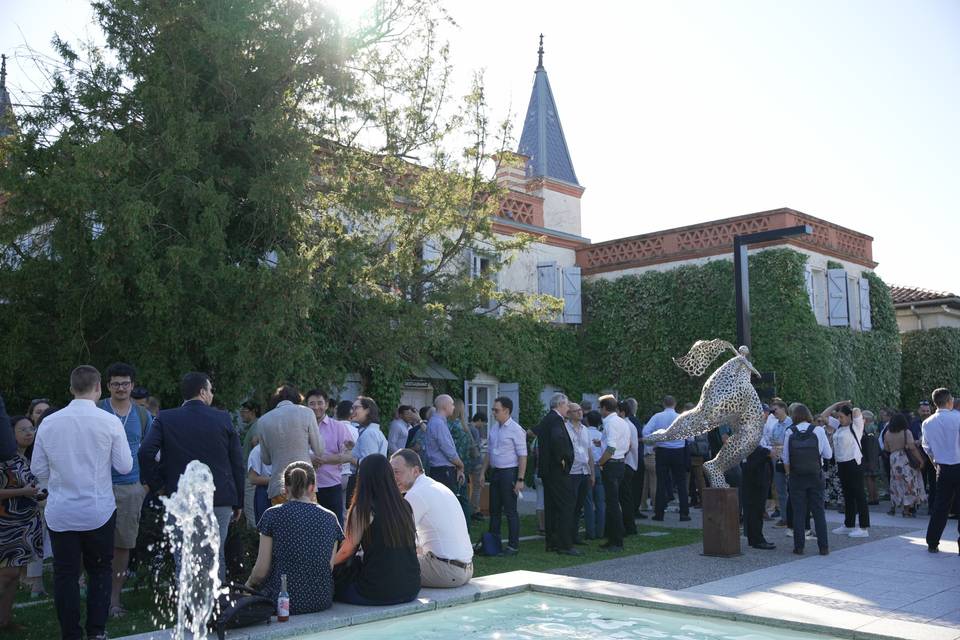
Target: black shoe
(640,516)
(684,518)
(607,545)
(933,548)
(509,551)
(766,546)
(874,503)
(825,551)
(612,548)
(570,552)
(580,542)
(797,551)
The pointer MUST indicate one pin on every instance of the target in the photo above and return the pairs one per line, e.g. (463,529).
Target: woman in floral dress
(21,532)
(906,483)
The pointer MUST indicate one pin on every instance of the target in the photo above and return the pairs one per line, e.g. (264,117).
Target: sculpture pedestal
(721,522)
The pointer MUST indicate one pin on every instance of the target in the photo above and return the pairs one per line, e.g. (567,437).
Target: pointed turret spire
(542,139)
(6,109)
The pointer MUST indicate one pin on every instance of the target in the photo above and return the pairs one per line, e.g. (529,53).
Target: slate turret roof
(542,139)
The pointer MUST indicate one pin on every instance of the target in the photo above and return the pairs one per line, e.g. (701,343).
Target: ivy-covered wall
(634,326)
(516,349)
(931,359)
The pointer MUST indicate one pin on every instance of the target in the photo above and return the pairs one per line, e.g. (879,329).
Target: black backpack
(239,607)
(804,451)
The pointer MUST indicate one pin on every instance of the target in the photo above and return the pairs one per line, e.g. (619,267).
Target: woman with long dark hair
(906,482)
(380,522)
(848,452)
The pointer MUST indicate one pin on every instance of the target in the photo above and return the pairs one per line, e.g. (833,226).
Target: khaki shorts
(129,499)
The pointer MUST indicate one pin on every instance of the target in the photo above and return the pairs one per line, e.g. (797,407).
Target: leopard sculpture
(728,397)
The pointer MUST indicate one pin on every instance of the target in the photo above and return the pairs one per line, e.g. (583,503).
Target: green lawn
(41,619)
(534,557)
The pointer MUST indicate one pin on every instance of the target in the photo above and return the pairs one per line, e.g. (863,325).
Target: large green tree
(242,187)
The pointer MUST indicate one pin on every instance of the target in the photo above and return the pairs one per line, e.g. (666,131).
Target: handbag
(241,606)
(913,456)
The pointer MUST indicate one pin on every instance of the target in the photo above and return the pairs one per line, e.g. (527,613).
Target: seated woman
(298,538)
(380,522)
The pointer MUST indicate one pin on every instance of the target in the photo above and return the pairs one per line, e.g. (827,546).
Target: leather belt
(456,563)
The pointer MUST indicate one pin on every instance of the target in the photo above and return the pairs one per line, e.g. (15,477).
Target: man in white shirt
(443,542)
(671,462)
(941,440)
(581,471)
(507,459)
(616,432)
(72,457)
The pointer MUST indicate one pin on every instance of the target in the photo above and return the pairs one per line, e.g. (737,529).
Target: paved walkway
(889,575)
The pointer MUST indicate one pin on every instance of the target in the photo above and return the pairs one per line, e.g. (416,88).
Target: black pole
(741,273)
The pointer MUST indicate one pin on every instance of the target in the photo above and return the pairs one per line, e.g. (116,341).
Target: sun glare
(350,12)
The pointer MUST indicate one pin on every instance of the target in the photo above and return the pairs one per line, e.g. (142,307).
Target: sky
(678,112)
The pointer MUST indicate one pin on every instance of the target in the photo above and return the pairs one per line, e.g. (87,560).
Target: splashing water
(195,535)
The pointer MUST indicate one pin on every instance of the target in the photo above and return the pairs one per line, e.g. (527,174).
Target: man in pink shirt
(337,445)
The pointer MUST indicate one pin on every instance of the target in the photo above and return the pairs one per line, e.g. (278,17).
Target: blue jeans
(780,482)
(594,509)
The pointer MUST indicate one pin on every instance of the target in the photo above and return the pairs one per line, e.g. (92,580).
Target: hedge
(634,326)
(931,359)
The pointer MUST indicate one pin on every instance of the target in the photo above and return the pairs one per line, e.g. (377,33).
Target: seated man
(443,542)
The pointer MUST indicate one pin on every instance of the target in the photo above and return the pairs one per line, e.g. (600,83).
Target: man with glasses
(197,431)
(507,459)
(128,491)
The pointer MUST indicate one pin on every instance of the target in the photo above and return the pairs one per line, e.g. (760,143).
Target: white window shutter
(471,262)
(865,322)
(572,301)
(511,390)
(547,279)
(838,314)
(431,254)
(808,283)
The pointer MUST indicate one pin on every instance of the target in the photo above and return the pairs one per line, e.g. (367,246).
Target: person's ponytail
(297,479)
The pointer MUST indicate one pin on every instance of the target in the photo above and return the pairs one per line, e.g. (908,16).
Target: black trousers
(627,501)
(930,479)
(503,501)
(332,498)
(613,523)
(854,494)
(579,486)
(756,483)
(74,552)
(638,485)
(671,471)
(806,492)
(558,503)
(948,486)
(446,476)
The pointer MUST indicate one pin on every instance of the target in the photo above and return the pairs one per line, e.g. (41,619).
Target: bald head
(443,405)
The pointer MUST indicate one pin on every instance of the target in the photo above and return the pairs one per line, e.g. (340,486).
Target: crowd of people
(349,511)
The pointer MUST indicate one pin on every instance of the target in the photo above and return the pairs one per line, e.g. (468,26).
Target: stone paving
(889,576)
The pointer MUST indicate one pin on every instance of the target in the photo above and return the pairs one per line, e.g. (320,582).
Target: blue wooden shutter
(572,312)
(547,279)
(865,322)
(838,314)
(511,390)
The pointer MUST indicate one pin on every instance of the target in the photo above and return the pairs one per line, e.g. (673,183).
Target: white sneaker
(859,533)
(810,535)
(843,530)
(789,533)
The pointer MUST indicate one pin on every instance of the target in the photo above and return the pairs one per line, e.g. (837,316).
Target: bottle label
(283,607)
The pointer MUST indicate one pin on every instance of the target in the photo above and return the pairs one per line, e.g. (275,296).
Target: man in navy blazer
(554,462)
(197,431)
